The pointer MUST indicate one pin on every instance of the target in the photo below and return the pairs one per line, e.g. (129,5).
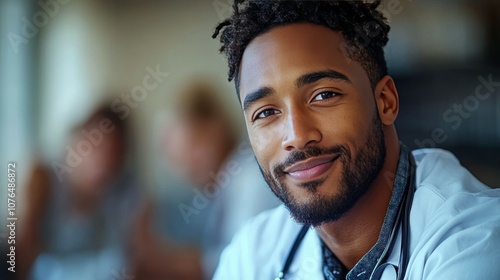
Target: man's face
(312,120)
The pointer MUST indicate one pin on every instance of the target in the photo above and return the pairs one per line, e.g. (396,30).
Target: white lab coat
(454,232)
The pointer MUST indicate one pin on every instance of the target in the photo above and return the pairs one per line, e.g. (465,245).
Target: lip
(311,168)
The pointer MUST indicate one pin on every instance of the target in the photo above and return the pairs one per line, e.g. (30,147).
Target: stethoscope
(402,218)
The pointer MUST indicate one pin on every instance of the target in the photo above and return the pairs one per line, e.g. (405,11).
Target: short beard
(358,175)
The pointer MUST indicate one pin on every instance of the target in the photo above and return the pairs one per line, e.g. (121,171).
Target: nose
(300,131)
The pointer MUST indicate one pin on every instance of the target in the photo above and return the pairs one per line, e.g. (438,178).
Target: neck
(353,235)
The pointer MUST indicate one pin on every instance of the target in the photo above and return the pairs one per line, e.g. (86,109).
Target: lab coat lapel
(308,261)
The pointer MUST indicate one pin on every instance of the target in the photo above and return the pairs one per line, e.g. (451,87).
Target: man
(320,110)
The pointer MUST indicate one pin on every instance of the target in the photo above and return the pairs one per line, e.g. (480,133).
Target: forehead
(288,51)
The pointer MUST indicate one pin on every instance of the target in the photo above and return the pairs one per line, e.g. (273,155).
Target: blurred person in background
(80,209)
(203,147)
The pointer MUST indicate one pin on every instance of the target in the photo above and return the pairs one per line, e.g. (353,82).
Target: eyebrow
(255,96)
(303,80)
(313,77)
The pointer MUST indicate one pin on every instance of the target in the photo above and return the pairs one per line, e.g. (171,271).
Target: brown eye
(266,113)
(325,95)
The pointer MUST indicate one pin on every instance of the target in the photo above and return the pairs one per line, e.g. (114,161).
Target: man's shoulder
(441,173)
(454,221)
(444,188)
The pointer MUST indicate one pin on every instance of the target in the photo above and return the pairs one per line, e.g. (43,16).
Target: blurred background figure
(226,188)
(79,210)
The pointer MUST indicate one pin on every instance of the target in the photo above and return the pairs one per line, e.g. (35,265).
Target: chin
(326,202)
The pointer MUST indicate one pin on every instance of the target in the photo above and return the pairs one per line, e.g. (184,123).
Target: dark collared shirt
(333,269)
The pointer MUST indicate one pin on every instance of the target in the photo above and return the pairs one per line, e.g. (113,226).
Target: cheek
(353,128)
(343,125)
(262,145)
(341,129)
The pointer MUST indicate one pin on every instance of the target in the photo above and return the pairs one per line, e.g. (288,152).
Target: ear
(387,100)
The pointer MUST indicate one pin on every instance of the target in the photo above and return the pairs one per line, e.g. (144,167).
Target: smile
(310,169)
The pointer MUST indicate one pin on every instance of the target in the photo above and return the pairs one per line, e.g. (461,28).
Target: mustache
(313,151)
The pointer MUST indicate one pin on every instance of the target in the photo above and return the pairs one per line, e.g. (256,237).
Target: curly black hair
(363,27)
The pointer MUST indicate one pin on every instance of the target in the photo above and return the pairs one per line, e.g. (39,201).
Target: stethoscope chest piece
(281,276)
(388,270)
